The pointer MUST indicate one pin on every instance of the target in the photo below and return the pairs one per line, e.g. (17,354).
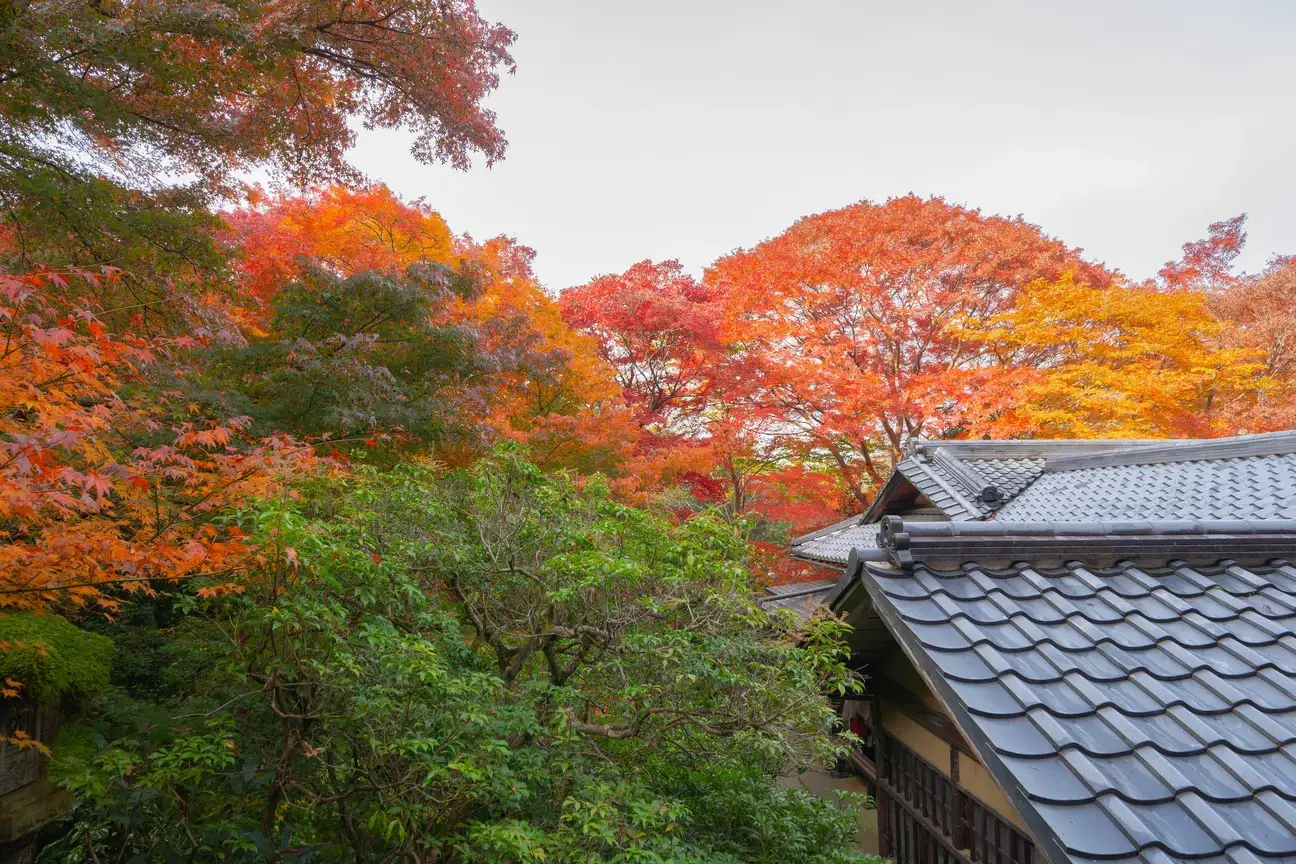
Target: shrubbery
(491,665)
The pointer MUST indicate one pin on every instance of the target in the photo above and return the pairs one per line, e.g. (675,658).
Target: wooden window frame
(939,822)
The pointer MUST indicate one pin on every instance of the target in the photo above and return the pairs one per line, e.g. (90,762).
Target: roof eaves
(1046,840)
(820,532)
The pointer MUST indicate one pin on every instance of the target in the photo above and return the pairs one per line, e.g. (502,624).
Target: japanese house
(1076,651)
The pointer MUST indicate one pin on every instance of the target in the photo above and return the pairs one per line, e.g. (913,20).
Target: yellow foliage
(1121,361)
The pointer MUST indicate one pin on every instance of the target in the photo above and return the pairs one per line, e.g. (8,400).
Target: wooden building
(1076,651)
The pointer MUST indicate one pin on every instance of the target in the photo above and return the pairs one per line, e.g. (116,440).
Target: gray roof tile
(834,545)
(1138,713)
(1180,480)
(1253,487)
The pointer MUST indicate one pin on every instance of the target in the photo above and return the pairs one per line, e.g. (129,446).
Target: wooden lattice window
(924,817)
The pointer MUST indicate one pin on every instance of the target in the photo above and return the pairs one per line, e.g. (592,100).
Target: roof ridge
(1025,448)
(1181,450)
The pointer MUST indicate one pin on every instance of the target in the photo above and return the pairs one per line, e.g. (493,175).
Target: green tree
(487,666)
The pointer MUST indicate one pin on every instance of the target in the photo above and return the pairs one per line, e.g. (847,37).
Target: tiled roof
(1008,474)
(834,545)
(1248,477)
(1112,625)
(1252,487)
(1132,714)
(954,498)
(801,597)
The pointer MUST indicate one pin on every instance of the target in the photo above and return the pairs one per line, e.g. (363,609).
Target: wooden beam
(912,705)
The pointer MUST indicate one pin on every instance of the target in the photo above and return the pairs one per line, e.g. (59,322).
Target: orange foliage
(851,325)
(557,395)
(347,230)
(1119,362)
(1260,314)
(98,491)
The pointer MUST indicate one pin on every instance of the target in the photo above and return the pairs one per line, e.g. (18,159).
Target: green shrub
(52,658)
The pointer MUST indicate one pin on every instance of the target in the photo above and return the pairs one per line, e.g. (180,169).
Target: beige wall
(972,774)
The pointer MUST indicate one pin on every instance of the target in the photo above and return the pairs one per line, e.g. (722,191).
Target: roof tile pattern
(801,597)
(834,547)
(942,489)
(1144,714)
(1011,476)
(1254,487)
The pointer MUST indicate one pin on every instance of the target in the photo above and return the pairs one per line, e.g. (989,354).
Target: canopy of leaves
(496,664)
(848,322)
(104,484)
(219,86)
(1260,314)
(658,328)
(370,353)
(1120,362)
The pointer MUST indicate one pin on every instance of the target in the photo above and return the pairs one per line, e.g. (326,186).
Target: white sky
(676,129)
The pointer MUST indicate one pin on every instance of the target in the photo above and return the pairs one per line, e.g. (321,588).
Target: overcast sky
(685,130)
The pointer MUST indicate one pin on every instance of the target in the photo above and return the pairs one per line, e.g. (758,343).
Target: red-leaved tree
(852,326)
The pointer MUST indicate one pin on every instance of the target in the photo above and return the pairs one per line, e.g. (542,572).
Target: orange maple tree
(1119,361)
(102,491)
(553,392)
(852,326)
(1259,314)
(346,229)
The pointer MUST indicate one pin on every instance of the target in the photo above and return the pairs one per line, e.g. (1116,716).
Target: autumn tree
(105,488)
(503,362)
(852,325)
(554,393)
(216,88)
(1119,361)
(658,328)
(124,123)
(1207,264)
(1254,312)
(1259,313)
(344,229)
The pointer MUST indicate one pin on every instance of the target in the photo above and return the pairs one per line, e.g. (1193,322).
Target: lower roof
(1132,714)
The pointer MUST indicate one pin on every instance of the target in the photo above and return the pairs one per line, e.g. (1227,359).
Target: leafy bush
(491,666)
